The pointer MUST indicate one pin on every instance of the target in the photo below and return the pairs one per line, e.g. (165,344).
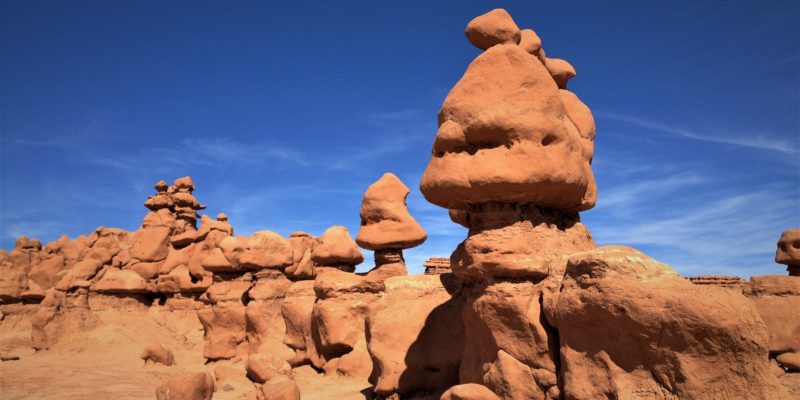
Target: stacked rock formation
(788,252)
(436,265)
(387,228)
(511,160)
(338,341)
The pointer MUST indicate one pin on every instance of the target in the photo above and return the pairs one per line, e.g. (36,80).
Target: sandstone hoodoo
(788,252)
(387,228)
(511,157)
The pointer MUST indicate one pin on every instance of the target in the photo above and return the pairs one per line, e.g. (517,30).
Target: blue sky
(284,114)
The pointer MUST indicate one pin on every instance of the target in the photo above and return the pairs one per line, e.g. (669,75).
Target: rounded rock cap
(161,186)
(493,28)
(385,220)
(222,217)
(336,247)
(788,252)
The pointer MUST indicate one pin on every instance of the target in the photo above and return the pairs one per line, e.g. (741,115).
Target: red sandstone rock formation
(511,159)
(436,265)
(387,228)
(336,249)
(788,252)
(416,335)
(531,309)
(711,343)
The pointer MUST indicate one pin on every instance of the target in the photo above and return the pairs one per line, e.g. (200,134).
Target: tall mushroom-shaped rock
(337,250)
(788,252)
(387,227)
(511,160)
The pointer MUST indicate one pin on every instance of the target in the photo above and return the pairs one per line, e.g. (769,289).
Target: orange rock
(296,310)
(198,386)
(513,241)
(151,244)
(469,391)
(157,353)
(560,70)
(530,41)
(337,249)
(788,252)
(281,388)
(416,335)
(114,280)
(493,28)
(266,249)
(385,221)
(777,298)
(302,245)
(263,367)
(504,137)
(711,343)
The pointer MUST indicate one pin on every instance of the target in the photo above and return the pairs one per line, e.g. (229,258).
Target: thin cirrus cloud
(753,141)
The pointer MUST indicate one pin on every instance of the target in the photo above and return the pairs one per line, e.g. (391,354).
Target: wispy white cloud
(41,229)
(725,234)
(755,140)
(646,190)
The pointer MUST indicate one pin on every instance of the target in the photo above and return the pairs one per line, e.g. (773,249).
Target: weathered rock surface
(777,299)
(199,386)
(416,335)
(711,343)
(281,388)
(505,136)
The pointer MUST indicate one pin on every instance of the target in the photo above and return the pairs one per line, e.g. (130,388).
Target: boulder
(151,244)
(469,391)
(263,367)
(157,353)
(119,281)
(530,41)
(560,70)
(493,28)
(337,249)
(197,386)
(281,388)
(266,249)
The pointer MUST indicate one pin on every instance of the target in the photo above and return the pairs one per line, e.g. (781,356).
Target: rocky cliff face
(526,307)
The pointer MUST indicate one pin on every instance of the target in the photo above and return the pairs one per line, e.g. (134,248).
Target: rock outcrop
(437,265)
(416,335)
(732,282)
(777,299)
(711,343)
(387,228)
